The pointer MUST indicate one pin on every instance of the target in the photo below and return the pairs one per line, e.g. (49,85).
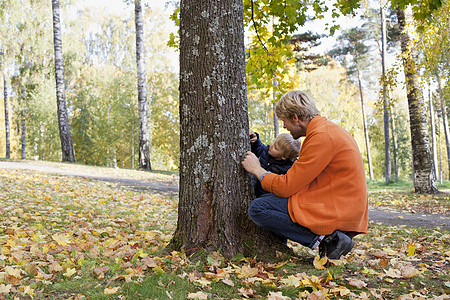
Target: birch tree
(424,177)
(68,153)
(387,146)
(7,127)
(144,144)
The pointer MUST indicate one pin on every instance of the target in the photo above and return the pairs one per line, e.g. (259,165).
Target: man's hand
(251,164)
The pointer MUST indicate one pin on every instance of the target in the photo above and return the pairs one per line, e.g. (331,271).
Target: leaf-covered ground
(63,237)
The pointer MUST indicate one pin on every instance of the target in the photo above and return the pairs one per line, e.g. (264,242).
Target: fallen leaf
(246,292)
(317,295)
(198,295)
(320,262)
(277,296)
(410,249)
(228,281)
(62,239)
(357,283)
(5,289)
(111,290)
(69,272)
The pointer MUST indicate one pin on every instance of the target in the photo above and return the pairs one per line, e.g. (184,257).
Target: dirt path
(141,183)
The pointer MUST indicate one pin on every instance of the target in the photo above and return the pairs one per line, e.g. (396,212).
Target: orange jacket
(326,186)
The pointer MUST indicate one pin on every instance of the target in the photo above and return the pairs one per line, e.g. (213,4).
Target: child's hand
(253,137)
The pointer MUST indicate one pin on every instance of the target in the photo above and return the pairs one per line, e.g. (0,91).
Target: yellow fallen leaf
(62,239)
(111,290)
(291,281)
(28,291)
(410,249)
(55,267)
(13,272)
(69,272)
(341,290)
(246,272)
(203,281)
(320,262)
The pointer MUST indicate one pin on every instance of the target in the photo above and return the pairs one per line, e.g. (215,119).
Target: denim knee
(254,210)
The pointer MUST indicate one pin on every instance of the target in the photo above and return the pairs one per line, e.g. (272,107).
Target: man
(322,200)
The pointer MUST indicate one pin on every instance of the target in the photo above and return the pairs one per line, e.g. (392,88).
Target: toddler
(277,157)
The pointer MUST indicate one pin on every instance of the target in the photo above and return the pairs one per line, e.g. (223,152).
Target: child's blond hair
(289,145)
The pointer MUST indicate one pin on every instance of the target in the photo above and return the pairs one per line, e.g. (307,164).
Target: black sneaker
(335,245)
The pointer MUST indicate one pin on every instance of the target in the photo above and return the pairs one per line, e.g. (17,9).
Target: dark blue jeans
(271,213)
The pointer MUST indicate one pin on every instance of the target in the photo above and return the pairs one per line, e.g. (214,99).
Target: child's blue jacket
(268,163)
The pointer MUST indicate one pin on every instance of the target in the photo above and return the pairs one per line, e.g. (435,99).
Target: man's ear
(295,118)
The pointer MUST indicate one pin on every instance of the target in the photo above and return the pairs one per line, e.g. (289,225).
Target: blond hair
(288,145)
(296,103)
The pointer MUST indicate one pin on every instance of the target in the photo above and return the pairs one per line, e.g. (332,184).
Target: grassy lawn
(70,238)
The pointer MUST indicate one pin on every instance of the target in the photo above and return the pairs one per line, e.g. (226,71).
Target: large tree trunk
(23,127)
(144,144)
(444,120)
(366,132)
(387,146)
(214,188)
(68,153)
(7,128)
(424,178)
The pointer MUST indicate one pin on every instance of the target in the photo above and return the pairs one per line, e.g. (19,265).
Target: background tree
(387,146)
(68,153)
(144,145)
(424,178)
(434,45)
(352,43)
(7,127)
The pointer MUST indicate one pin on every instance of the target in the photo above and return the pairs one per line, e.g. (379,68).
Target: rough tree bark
(424,177)
(144,144)
(68,153)
(214,188)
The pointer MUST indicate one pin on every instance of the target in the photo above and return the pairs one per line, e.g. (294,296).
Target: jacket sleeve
(316,154)
(258,147)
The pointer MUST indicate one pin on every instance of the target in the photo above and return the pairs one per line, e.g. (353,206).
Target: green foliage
(99,61)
